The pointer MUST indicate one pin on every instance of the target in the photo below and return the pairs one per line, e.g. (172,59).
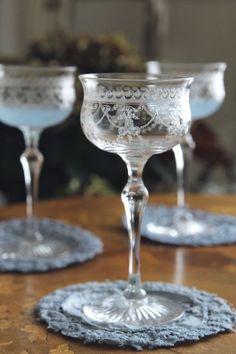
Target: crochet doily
(207,315)
(73,245)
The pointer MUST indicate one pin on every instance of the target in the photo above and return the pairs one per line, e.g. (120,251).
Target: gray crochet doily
(73,245)
(207,315)
(222,228)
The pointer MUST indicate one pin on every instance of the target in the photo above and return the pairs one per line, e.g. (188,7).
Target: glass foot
(183,228)
(150,311)
(176,223)
(48,249)
(105,309)
(49,242)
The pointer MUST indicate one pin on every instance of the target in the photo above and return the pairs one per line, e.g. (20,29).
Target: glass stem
(179,162)
(134,197)
(31,161)
(183,155)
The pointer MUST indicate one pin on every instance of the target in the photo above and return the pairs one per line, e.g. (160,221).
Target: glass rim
(34,68)
(189,65)
(137,77)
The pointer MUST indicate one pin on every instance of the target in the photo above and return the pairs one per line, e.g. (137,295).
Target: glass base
(17,243)
(179,223)
(187,228)
(104,309)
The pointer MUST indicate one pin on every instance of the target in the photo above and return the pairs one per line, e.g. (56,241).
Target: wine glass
(32,99)
(206,97)
(134,116)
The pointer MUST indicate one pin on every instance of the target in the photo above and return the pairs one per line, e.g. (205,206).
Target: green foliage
(105,53)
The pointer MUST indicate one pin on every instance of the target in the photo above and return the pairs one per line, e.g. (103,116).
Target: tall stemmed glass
(134,116)
(206,96)
(32,99)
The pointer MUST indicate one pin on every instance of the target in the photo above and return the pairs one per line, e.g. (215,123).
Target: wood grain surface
(208,268)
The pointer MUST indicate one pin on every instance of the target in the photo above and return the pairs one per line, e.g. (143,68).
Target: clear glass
(207,94)
(32,99)
(134,116)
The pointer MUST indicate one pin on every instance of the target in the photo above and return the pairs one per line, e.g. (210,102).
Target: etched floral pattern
(121,93)
(126,120)
(126,111)
(208,85)
(46,91)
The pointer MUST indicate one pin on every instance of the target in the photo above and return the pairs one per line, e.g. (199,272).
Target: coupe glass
(31,99)
(134,116)
(206,97)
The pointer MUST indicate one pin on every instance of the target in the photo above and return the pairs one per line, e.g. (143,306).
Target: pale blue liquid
(33,118)
(203,108)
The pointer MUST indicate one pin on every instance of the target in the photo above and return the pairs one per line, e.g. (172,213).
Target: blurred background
(115,36)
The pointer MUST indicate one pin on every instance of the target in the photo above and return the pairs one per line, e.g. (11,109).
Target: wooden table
(209,268)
